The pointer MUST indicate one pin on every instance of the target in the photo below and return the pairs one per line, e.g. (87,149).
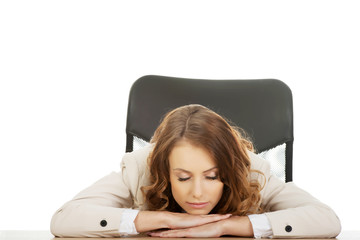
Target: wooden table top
(46,235)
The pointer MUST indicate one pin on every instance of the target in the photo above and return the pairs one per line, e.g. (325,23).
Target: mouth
(198,205)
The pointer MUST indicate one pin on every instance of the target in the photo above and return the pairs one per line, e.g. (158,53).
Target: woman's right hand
(152,220)
(185,220)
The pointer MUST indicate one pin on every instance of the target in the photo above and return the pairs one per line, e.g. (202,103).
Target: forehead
(190,157)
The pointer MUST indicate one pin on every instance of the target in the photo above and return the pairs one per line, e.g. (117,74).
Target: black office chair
(262,107)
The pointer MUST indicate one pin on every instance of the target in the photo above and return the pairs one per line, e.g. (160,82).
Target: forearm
(150,220)
(84,220)
(237,226)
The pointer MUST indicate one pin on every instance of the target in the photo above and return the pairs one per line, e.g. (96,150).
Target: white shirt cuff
(127,225)
(261,226)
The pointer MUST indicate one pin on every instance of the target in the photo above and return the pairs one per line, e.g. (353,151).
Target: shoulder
(259,164)
(137,158)
(134,164)
(135,172)
(260,170)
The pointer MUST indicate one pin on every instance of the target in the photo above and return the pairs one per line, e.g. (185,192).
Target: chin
(198,211)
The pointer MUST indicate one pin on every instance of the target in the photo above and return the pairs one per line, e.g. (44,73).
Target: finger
(201,220)
(169,233)
(188,220)
(155,234)
(214,218)
(217,215)
(206,215)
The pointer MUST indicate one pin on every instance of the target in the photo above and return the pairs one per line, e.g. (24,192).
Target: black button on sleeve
(288,228)
(103,223)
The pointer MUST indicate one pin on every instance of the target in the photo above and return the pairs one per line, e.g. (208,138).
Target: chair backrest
(262,107)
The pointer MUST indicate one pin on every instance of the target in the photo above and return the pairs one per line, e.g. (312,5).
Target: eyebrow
(190,172)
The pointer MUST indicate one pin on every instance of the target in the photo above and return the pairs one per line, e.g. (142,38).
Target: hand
(152,220)
(235,226)
(213,229)
(185,220)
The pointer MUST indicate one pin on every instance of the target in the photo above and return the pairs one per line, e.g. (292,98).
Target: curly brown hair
(226,144)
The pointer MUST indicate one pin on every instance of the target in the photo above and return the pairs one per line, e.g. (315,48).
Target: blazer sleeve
(97,210)
(294,213)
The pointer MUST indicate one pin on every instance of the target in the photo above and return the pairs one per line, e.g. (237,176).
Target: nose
(197,189)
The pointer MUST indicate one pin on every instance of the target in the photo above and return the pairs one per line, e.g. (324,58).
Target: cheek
(217,190)
(177,189)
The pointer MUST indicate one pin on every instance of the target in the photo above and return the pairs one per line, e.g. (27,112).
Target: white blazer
(292,212)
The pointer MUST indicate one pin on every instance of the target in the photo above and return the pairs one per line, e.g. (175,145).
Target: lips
(198,205)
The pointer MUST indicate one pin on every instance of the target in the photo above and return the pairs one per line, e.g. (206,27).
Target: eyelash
(183,179)
(209,178)
(212,178)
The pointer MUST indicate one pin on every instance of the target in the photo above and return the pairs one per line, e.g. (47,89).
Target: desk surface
(46,235)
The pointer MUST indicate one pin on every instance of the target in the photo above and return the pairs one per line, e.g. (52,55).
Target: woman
(198,178)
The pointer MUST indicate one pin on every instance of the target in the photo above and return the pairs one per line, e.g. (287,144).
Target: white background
(66,68)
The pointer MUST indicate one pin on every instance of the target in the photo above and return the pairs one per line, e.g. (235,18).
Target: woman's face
(195,183)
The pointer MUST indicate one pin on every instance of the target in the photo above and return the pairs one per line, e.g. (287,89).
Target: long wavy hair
(226,144)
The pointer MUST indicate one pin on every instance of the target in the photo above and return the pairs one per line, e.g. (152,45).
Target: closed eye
(212,178)
(183,179)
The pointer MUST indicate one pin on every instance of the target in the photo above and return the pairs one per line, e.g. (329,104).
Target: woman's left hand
(234,226)
(207,230)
